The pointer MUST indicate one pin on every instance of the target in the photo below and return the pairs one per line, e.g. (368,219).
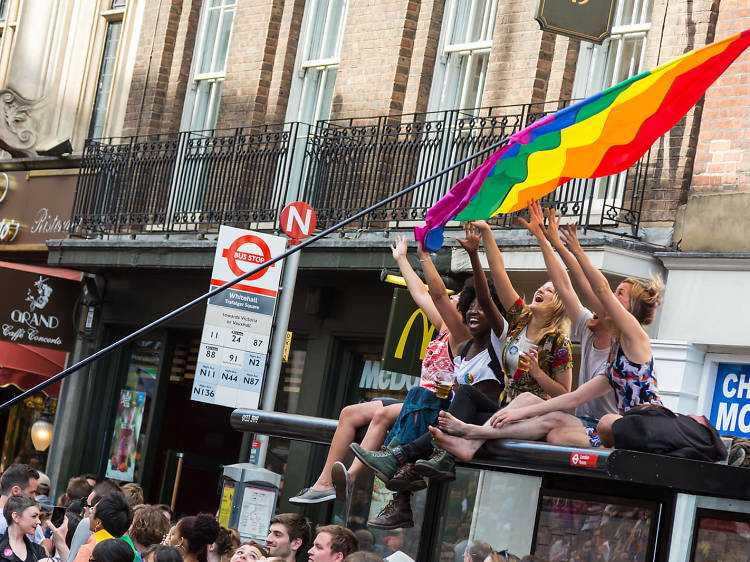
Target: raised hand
(536,223)
(471,242)
(553,227)
(569,233)
(400,248)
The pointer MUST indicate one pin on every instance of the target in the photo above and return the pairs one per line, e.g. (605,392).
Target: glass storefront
(721,535)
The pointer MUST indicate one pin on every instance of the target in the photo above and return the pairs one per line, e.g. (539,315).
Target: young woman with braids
(629,371)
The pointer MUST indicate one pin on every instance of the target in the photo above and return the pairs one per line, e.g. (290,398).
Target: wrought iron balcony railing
(196,181)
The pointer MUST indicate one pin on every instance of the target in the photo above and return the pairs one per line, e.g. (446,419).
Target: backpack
(655,429)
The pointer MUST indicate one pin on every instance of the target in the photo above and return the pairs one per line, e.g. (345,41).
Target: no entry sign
(298,220)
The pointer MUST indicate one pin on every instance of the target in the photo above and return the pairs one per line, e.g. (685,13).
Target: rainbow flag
(599,136)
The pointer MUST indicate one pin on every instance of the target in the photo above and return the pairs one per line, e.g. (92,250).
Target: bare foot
(451,424)
(462,449)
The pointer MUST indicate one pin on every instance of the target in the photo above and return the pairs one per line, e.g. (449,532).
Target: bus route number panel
(238,322)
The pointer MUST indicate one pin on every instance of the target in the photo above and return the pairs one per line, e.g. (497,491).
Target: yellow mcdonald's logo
(427,330)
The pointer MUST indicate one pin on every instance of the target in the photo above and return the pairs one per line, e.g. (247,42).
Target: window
(210,66)
(466,40)
(319,63)
(720,535)
(620,56)
(4,11)
(106,78)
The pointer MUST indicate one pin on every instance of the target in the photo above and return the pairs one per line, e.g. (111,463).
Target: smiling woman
(22,514)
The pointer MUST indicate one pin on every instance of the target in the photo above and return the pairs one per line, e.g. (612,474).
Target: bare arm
(503,286)
(452,318)
(633,338)
(598,386)
(557,273)
(414,284)
(471,245)
(553,235)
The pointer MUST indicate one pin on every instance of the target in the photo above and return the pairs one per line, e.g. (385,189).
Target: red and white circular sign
(298,220)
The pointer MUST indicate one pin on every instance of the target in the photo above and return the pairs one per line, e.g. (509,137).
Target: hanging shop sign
(406,336)
(33,208)
(37,309)
(590,20)
(730,408)
(237,327)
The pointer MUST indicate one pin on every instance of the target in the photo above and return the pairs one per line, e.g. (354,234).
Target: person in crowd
(477,551)
(193,534)
(83,530)
(380,415)
(333,543)
(365,538)
(110,518)
(149,527)
(225,545)
(629,371)
(133,493)
(92,479)
(249,551)
(21,514)
(78,489)
(167,511)
(42,490)
(18,479)
(476,366)
(162,553)
(112,550)
(363,556)
(288,533)
(73,518)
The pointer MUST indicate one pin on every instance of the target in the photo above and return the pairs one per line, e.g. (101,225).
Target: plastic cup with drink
(443,384)
(523,366)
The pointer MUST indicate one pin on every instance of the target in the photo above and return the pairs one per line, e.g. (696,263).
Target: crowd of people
(102,521)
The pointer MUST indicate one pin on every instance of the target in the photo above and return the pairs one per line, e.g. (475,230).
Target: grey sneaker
(341,481)
(308,495)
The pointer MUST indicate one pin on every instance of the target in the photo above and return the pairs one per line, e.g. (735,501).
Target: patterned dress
(554,351)
(634,383)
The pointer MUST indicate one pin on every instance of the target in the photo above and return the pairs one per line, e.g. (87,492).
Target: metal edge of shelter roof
(681,475)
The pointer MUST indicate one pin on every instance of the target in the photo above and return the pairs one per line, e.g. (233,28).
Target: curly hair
(469,293)
(150,525)
(200,531)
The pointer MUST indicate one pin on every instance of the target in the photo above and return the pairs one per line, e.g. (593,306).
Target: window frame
(447,51)
(304,66)
(190,106)
(723,515)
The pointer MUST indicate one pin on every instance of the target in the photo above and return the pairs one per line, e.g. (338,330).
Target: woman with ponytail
(193,534)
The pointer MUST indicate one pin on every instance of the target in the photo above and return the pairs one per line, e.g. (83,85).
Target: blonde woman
(536,354)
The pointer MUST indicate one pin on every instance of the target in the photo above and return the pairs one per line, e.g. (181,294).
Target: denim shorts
(588,422)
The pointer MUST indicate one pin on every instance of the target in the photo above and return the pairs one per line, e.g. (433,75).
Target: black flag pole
(187,306)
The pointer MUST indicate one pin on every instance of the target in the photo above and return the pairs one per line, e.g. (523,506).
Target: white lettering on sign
(294,216)
(45,223)
(729,392)
(374,378)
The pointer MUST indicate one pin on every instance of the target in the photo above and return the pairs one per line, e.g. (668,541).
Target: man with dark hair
(18,479)
(333,544)
(287,534)
(78,489)
(83,532)
(110,519)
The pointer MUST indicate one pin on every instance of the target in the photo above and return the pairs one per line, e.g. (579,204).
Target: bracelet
(424,259)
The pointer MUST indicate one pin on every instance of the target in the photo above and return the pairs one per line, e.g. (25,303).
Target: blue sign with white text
(730,409)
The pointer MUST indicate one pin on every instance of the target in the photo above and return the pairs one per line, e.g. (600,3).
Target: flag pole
(215,291)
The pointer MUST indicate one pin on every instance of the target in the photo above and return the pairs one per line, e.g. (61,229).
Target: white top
(593,362)
(476,369)
(514,350)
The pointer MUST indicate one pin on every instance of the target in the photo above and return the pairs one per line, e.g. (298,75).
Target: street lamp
(41,431)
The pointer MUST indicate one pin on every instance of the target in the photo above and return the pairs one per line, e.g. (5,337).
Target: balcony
(195,181)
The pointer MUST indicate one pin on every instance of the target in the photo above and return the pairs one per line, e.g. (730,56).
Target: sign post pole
(278,341)
(298,221)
